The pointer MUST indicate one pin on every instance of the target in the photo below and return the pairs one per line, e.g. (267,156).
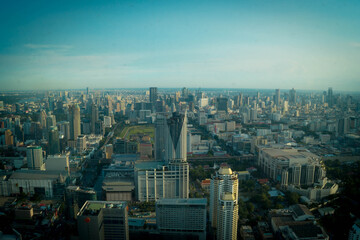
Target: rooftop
(37,174)
(182,201)
(94,207)
(225,171)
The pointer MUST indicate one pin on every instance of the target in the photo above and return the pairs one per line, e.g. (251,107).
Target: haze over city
(132,44)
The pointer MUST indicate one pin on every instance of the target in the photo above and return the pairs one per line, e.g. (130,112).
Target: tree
(292,197)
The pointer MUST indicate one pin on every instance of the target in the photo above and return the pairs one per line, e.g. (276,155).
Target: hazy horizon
(308,45)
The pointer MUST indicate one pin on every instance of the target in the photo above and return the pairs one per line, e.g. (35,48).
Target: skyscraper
(74,119)
(330,98)
(34,156)
(222,104)
(153,95)
(94,117)
(170,137)
(227,217)
(292,98)
(277,97)
(54,142)
(43,119)
(169,177)
(225,182)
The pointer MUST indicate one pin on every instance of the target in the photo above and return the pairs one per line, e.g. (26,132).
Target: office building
(299,166)
(182,218)
(154,180)
(102,220)
(49,184)
(170,137)
(225,181)
(330,97)
(292,97)
(94,117)
(50,121)
(277,99)
(43,119)
(58,162)
(222,104)
(54,141)
(34,156)
(153,95)
(74,119)
(81,143)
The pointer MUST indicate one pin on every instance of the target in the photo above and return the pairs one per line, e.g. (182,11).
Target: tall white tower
(225,182)
(227,218)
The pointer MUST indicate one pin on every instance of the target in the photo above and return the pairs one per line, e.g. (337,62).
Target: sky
(286,44)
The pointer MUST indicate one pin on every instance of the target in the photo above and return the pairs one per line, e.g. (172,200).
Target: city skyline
(240,44)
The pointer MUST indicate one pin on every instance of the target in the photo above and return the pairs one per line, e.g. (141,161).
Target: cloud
(355,44)
(47,46)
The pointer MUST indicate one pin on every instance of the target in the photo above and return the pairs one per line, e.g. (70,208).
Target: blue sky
(166,43)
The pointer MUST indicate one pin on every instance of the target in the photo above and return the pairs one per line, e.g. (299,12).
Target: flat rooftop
(289,153)
(93,207)
(144,165)
(183,201)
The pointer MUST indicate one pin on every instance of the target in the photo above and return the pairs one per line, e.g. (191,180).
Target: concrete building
(34,156)
(37,182)
(74,119)
(153,95)
(102,220)
(290,166)
(54,141)
(182,218)
(75,197)
(58,162)
(227,217)
(94,117)
(170,137)
(81,143)
(154,180)
(225,181)
(277,99)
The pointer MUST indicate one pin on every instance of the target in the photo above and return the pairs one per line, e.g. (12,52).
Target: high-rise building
(34,156)
(182,218)
(227,217)
(102,220)
(225,182)
(277,99)
(43,119)
(292,97)
(153,95)
(9,138)
(94,117)
(154,180)
(222,104)
(64,129)
(50,121)
(54,142)
(330,97)
(74,119)
(170,137)
(81,143)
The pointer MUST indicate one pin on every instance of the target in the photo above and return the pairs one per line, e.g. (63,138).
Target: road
(109,136)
